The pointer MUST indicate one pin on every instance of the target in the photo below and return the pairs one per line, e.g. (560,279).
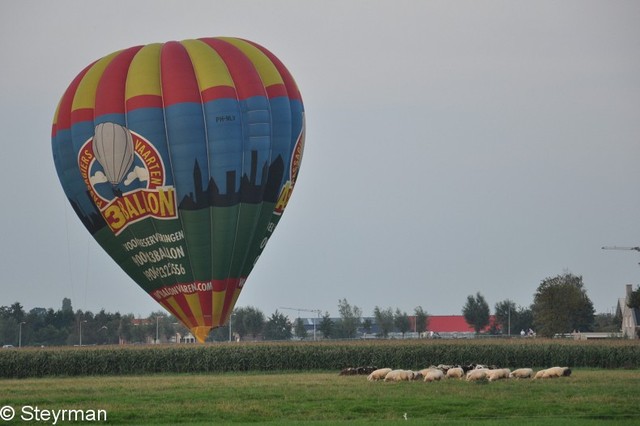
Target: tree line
(560,305)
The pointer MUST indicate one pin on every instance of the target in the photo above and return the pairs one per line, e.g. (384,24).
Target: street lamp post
(20,334)
(157,319)
(176,331)
(314,326)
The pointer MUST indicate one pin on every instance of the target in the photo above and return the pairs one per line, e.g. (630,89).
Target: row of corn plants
(255,356)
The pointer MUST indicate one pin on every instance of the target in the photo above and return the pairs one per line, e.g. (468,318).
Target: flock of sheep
(470,373)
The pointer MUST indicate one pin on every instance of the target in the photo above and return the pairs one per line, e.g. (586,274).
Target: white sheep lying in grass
(431,374)
(455,373)
(399,376)
(555,372)
(498,374)
(378,374)
(477,374)
(521,373)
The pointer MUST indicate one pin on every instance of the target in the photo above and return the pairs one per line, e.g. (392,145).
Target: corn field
(322,356)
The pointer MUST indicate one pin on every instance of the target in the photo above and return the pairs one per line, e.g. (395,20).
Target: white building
(630,316)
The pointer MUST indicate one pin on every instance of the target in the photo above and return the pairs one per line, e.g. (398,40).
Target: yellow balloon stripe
(216,307)
(201,333)
(267,71)
(85,96)
(196,310)
(175,307)
(143,77)
(55,116)
(210,69)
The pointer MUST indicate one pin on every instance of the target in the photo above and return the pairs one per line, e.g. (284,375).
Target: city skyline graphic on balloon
(179,158)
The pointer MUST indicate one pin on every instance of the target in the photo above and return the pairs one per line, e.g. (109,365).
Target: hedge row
(127,360)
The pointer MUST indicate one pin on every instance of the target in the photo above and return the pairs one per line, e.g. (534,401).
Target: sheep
(497,374)
(444,367)
(399,376)
(467,367)
(364,370)
(477,374)
(455,373)
(484,367)
(539,374)
(521,373)
(554,372)
(378,374)
(431,374)
(474,366)
(417,375)
(426,370)
(351,371)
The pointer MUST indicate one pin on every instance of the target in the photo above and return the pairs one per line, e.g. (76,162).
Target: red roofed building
(451,324)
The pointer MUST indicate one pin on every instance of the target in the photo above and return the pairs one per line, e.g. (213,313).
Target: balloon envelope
(180,158)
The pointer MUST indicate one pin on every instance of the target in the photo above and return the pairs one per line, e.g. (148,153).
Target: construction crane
(317,311)
(621,248)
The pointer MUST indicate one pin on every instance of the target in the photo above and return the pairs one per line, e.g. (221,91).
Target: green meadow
(588,396)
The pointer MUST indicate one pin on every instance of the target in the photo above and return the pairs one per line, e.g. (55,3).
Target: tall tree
(9,331)
(422,319)
(561,305)
(326,326)
(633,301)
(125,328)
(278,327)
(384,318)
(506,314)
(608,323)
(300,330)
(17,312)
(236,322)
(247,321)
(476,312)
(254,321)
(522,321)
(66,305)
(401,322)
(219,334)
(350,318)
(367,324)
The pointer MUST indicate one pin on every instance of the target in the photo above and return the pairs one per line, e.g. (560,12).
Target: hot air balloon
(180,158)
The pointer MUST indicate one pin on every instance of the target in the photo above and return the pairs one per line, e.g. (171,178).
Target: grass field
(589,396)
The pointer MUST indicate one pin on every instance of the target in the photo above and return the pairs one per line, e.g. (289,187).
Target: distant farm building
(452,326)
(630,316)
(446,326)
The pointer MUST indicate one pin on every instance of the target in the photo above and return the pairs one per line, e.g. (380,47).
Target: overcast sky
(452,147)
